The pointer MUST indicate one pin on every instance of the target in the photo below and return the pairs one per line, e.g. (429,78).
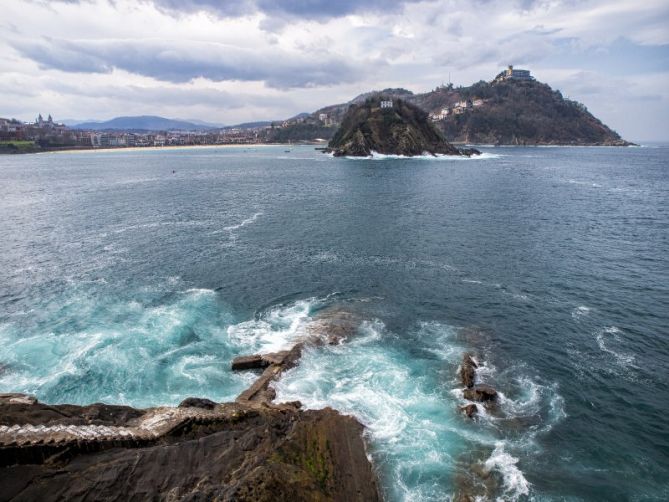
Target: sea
(136,276)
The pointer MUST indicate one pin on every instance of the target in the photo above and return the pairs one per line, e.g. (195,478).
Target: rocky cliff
(249,450)
(388,126)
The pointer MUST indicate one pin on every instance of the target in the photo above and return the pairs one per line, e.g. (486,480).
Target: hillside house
(326,119)
(386,103)
(462,106)
(440,115)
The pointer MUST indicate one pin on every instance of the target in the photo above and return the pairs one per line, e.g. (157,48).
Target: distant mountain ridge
(156,123)
(142,123)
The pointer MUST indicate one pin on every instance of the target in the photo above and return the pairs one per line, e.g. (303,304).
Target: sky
(228,62)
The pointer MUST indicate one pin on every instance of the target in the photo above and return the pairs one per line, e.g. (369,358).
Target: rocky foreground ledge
(252,449)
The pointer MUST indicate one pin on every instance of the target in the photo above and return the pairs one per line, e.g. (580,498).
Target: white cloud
(96,58)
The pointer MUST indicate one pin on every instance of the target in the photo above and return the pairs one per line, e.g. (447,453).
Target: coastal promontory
(512,109)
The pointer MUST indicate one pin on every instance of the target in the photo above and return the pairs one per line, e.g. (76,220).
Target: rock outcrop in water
(472,391)
(252,449)
(481,393)
(468,370)
(390,127)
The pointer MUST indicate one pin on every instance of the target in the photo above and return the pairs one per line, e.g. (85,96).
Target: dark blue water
(124,282)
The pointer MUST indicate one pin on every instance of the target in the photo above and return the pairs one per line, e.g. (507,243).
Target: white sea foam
(231,230)
(410,426)
(440,340)
(156,224)
(414,428)
(244,222)
(585,183)
(580,312)
(276,330)
(427,156)
(612,333)
(485,372)
(122,350)
(515,484)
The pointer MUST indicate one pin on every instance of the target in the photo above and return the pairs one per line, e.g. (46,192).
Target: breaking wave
(514,483)
(427,156)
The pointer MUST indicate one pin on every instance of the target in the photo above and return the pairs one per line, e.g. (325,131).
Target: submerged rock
(470,410)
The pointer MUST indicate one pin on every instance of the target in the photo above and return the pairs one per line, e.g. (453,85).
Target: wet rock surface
(469,410)
(481,393)
(254,361)
(252,449)
(237,452)
(197,402)
(468,370)
(472,480)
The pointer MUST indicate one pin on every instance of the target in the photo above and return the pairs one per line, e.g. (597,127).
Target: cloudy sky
(244,60)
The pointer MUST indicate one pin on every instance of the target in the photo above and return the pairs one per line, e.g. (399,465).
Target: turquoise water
(125,282)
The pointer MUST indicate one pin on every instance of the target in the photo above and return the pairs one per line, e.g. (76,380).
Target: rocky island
(250,450)
(390,127)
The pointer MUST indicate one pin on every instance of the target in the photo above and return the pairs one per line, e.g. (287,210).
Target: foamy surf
(134,350)
(426,156)
(580,312)
(514,483)
(415,429)
(611,335)
(231,230)
(411,429)
(277,329)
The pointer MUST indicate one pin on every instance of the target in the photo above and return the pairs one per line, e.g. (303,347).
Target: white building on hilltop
(387,103)
(512,73)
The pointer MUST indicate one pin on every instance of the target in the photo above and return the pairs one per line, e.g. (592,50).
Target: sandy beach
(160,148)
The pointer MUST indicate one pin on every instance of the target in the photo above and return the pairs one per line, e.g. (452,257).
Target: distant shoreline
(158,148)
(86,149)
(284,145)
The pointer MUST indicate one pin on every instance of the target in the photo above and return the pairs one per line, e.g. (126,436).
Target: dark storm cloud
(306,9)
(185,61)
(224,8)
(321,9)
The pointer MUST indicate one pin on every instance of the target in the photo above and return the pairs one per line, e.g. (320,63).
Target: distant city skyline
(234,62)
